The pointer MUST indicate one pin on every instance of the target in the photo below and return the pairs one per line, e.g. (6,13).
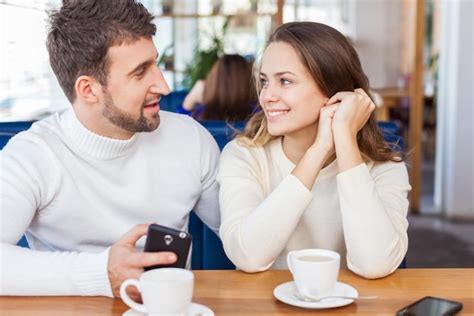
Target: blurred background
(418,55)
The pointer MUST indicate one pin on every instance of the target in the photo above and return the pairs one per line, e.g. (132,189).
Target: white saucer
(194,309)
(285,293)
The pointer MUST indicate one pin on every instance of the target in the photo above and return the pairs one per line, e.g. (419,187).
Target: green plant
(166,59)
(203,59)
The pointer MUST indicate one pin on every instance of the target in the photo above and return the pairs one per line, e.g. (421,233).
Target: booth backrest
(173,100)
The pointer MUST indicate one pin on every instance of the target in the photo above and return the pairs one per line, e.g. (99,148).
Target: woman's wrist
(309,167)
(347,149)
(318,154)
(343,134)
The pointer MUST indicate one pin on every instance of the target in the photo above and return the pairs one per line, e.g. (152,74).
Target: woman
(312,170)
(226,94)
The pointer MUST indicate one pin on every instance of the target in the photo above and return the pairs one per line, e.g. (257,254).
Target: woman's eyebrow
(278,74)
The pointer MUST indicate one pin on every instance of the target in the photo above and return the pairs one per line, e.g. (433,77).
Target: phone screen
(431,306)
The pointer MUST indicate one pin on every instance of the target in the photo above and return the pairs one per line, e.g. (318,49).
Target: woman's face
(290,98)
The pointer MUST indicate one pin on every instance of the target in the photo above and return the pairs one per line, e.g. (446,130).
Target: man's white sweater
(75,193)
(267,212)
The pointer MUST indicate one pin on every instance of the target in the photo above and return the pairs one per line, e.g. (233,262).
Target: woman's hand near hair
(353,113)
(320,151)
(324,142)
(195,96)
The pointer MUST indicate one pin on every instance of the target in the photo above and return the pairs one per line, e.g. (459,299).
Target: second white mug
(315,271)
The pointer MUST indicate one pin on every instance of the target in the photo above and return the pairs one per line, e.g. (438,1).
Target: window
(28,87)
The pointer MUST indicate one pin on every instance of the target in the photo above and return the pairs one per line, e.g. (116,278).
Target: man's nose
(159,85)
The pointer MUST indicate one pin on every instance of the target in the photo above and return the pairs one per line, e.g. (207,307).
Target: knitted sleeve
(207,207)
(374,207)
(28,181)
(256,225)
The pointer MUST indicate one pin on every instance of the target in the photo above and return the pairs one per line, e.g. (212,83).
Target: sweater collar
(330,170)
(91,144)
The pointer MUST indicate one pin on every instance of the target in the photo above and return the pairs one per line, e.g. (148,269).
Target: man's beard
(125,120)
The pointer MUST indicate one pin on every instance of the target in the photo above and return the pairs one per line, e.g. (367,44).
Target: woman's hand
(324,141)
(194,96)
(353,113)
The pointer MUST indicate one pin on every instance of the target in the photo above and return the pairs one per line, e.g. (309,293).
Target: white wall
(376,29)
(454,183)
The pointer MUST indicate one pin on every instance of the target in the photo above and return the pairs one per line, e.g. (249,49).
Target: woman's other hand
(324,141)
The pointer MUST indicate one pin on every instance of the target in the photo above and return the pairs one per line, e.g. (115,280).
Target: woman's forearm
(347,149)
(310,165)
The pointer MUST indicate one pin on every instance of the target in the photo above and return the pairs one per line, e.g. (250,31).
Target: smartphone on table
(431,306)
(162,238)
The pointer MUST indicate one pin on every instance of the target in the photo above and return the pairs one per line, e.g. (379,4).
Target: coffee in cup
(314,271)
(165,291)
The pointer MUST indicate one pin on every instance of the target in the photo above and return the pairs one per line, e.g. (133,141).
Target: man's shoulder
(34,146)
(39,131)
(177,122)
(181,136)
(182,126)
(176,118)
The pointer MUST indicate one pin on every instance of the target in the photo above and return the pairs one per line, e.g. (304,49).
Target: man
(79,182)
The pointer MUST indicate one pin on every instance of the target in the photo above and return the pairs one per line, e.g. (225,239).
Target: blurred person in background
(227,94)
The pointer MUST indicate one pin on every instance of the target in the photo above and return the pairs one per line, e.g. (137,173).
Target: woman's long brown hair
(334,66)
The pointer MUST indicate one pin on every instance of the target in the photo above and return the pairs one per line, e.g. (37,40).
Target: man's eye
(140,74)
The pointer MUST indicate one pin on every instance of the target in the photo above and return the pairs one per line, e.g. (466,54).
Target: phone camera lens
(168,239)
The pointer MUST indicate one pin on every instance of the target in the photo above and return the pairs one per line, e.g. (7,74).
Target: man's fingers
(146,259)
(131,237)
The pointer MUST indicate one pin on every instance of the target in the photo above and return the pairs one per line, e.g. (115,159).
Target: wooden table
(238,293)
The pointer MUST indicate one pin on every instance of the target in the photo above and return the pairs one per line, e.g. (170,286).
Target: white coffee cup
(314,271)
(165,291)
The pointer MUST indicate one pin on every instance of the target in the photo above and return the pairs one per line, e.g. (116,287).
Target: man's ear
(87,89)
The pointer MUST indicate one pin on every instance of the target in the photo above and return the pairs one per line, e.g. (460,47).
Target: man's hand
(126,263)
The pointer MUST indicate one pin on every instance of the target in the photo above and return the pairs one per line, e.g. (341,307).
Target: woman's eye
(263,82)
(284,81)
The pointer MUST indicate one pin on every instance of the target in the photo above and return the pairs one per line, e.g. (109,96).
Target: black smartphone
(431,306)
(162,238)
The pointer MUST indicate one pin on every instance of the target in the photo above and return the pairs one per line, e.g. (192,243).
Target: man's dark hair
(82,31)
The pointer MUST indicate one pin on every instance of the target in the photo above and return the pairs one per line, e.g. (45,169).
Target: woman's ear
(87,89)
